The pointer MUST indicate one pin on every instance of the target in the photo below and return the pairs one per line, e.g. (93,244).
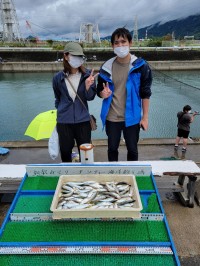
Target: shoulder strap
(76,93)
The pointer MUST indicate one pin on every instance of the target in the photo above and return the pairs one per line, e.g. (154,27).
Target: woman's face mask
(75,61)
(121,51)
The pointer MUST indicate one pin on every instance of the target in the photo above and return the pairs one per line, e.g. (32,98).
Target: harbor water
(24,95)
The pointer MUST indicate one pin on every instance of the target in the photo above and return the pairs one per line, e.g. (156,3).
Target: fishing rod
(195,112)
(173,79)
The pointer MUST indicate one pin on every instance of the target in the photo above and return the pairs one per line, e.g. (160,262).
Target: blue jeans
(131,136)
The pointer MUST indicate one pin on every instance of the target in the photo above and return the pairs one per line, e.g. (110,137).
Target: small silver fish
(68,188)
(103,203)
(125,200)
(82,206)
(94,195)
(110,187)
(108,200)
(66,195)
(90,197)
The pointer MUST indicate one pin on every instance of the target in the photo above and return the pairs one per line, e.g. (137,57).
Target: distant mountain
(189,26)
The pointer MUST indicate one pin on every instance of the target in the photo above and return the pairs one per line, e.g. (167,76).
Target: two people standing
(124,83)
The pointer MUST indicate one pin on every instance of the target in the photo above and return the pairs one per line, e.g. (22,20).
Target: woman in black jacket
(73,120)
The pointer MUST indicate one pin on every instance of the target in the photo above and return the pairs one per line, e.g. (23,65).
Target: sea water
(24,95)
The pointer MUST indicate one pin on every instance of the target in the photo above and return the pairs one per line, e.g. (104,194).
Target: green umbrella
(41,127)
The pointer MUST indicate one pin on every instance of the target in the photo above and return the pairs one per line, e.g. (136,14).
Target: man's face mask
(75,61)
(121,51)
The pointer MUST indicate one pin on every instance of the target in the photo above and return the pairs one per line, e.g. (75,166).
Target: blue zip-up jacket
(138,86)
(69,111)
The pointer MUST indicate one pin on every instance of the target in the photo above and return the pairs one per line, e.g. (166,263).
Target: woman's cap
(73,48)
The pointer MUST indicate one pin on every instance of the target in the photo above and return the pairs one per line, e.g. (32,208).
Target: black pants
(68,134)
(131,136)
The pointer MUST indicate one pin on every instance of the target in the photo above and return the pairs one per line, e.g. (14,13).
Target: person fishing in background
(184,120)
(73,119)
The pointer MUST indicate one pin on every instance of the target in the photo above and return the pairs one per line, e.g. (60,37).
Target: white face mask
(121,51)
(189,112)
(75,61)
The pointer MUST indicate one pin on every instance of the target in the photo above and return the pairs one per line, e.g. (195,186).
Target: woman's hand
(90,80)
(106,92)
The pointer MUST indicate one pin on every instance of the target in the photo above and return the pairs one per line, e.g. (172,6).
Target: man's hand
(195,113)
(106,92)
(90,80)
(144,123)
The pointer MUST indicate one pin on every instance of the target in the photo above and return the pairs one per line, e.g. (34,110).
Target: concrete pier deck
(183,222)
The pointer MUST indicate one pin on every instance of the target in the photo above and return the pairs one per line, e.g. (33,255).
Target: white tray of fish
(96,196)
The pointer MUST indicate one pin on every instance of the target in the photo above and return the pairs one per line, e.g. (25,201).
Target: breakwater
(48,60)
(49,55)
(21,67)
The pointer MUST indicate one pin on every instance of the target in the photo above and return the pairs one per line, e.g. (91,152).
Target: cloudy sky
(61,19)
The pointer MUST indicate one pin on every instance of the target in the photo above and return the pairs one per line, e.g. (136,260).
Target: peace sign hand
(90,80)
(106,92)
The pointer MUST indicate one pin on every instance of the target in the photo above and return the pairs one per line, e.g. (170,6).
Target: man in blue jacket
(124,83)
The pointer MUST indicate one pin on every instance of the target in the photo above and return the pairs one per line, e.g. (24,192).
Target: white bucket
(86,151)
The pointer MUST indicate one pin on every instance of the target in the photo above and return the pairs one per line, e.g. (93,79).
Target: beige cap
(73,48)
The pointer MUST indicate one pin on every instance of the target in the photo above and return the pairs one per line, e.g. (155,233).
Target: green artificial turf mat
(50,231)
(144,183)
(153,205)
(33,204)
(50,183)
(143,204)
(87,260)
(172,158)
(40,183)
(41,204)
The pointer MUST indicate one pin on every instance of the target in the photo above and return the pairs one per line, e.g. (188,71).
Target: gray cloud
(62,18)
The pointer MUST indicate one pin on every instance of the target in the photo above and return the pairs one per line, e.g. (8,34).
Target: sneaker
(183,154)
(176,155)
